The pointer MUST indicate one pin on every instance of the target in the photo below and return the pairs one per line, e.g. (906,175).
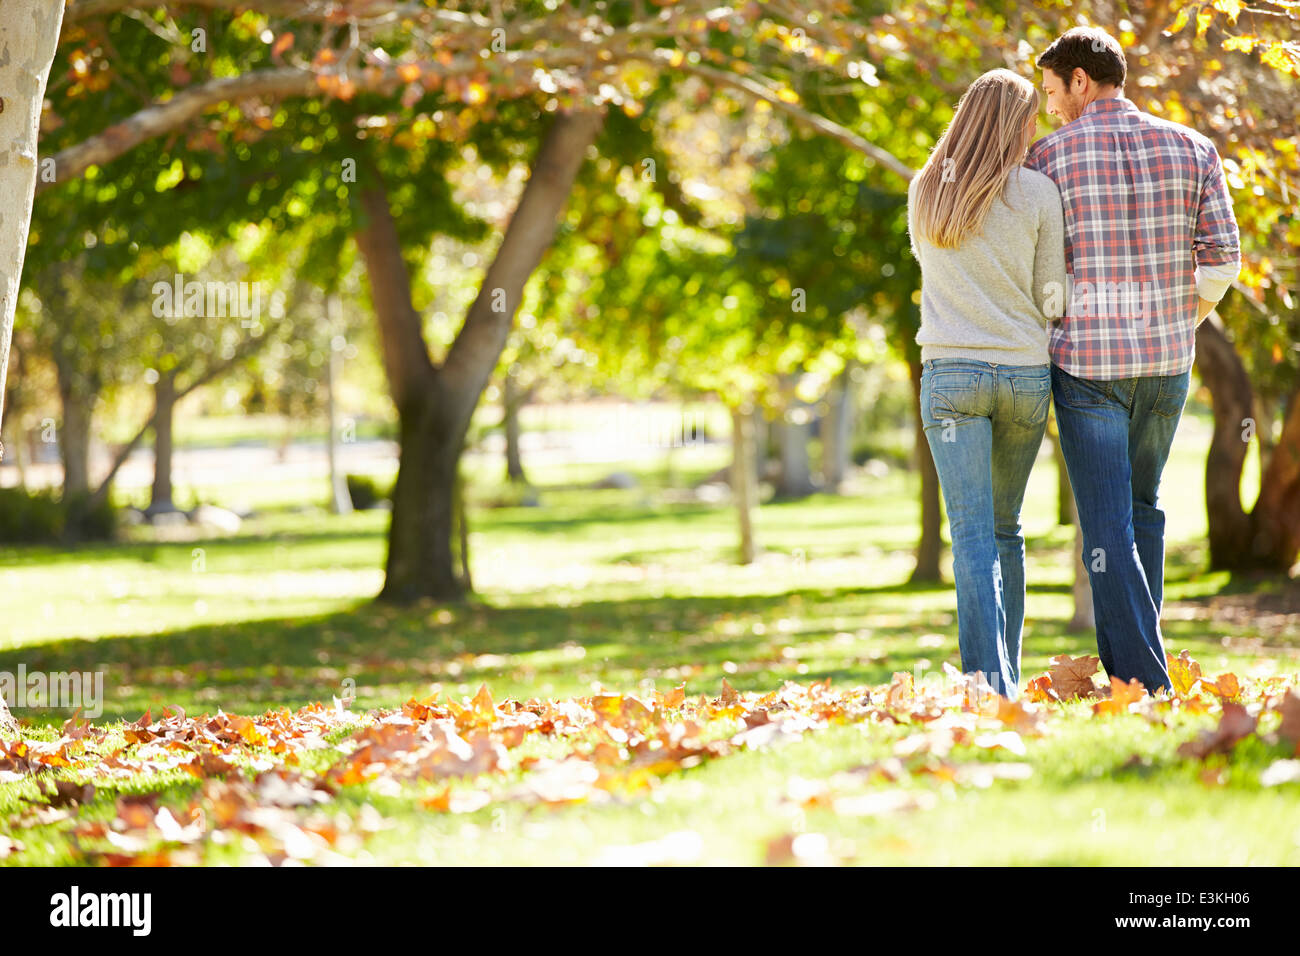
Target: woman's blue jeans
(985,424)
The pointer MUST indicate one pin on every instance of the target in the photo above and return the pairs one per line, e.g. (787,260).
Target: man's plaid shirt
(1145,207)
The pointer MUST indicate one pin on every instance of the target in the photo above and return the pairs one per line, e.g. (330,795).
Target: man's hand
(1203,308)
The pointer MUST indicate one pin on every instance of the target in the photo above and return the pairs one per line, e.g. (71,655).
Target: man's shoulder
(1086,128)
(1042,149)
(1193,138)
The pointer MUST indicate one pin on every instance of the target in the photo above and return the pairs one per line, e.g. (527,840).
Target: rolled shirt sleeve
(1217,244)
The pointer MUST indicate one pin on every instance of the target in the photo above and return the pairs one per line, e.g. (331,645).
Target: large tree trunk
(744,482)
(1267,538)
(930,548)
(164,392)
(29,31)
(837,430)
(434,404)
(1232,399)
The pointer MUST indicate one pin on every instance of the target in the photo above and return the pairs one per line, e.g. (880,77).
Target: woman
(989,237)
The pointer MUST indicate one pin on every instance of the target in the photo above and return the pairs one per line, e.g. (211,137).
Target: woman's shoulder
(1035,185)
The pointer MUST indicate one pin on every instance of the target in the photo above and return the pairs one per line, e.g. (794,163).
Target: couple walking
(1072,270)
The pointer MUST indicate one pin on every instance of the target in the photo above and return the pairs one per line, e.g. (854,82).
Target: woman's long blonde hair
(969,166)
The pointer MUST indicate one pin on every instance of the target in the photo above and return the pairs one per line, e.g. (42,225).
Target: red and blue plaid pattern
(1145,203)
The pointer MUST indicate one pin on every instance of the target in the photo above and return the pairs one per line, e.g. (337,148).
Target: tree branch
(817,123)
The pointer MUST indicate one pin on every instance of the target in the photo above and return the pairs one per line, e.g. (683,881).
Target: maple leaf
(1121,695)
(1041,691)
(1072,676)
(1226,687)
(1235,724)
(1183,672)
(673,699)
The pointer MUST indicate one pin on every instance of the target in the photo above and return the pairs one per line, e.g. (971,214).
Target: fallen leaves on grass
(474,754)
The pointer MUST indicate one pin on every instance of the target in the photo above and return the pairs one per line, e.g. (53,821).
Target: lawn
(598,607)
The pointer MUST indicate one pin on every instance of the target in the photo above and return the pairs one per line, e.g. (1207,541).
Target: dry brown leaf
(1072,676)
(729,694)
(1235,724)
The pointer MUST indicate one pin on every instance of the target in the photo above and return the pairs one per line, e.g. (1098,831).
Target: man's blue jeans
(985,424)
(1116,437)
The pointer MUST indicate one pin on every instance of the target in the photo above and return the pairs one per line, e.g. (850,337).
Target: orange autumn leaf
(1226,687)
(609,705)
(673,699)
(1040,690)
(1121,696)
(483,704)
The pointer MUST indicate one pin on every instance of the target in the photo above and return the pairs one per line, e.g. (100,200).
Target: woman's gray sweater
(989,299)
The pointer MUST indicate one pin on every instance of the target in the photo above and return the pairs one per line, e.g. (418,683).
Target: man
(1152,246)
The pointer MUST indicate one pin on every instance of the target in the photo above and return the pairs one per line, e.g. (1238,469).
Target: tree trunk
(929,549)
(513,401)
(340,499)
(20,449)
(1064,493)
(837,430)
(744,484)
(1268,538)
(435,404)
(78,405)
(29,32)
(420,560)
(460,514)
(1232,398)
(795,480)
(164,391)
(1276,516)
(1084,617)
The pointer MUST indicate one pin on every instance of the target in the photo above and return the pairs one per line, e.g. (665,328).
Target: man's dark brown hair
(1092,49)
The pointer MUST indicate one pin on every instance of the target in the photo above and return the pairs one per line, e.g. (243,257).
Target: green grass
(616,590)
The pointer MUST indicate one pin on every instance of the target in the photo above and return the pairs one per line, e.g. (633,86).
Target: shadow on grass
(398,651)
